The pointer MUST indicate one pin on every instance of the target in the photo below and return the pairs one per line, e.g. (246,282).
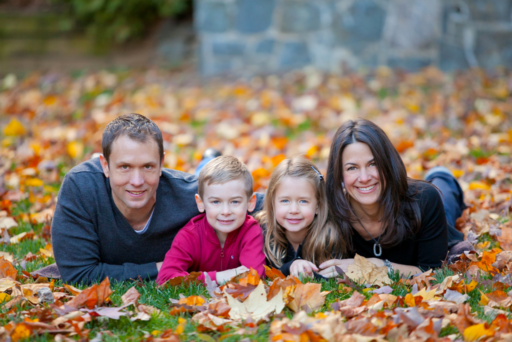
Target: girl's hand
(224,276)
(302,266)
(328,268)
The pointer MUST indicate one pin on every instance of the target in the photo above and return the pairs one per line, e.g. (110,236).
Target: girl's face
(295,204)
(360,174)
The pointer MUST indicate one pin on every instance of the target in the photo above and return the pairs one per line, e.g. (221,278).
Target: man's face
(134,171)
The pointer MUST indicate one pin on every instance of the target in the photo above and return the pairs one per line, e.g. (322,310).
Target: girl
(298,232)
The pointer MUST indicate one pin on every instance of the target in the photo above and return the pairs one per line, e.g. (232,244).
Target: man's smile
(136,193)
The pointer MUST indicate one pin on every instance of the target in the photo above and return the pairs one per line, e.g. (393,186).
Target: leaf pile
(51,122)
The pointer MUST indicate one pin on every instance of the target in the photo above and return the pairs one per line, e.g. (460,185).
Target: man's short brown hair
(136,127)
(224,169)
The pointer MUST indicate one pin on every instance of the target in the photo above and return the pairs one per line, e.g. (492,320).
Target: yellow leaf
(75,149)
(181,326)
(409,300)
(4,297)
(479,186)
(20,332)
(34,182)
(476,332)
(457,173)
(426,295)
(14,128)
(484,300)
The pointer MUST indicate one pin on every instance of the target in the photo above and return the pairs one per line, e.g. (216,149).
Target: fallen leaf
(362,269)
(476,332)
(273,273)
(256,306)
(130,296)
(307,297)
(7,269)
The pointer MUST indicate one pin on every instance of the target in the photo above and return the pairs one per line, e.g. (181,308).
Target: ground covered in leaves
(51,122)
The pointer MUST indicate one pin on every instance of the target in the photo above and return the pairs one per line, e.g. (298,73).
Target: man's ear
(162,164)
(200,204)
(252,203)
(104,165)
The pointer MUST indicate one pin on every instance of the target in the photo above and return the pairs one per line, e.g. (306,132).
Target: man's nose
(137,178)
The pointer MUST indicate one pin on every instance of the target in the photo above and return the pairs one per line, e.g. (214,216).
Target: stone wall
(264,36)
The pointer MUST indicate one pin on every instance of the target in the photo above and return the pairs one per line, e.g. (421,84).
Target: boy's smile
(226,206)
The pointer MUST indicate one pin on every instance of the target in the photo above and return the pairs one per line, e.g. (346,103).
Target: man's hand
(302,266)
(328,268)
(224,276)
(159,265)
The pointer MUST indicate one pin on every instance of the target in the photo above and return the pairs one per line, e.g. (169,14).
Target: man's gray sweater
(91,238)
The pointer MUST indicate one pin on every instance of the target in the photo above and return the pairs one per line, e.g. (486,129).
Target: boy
(225,240)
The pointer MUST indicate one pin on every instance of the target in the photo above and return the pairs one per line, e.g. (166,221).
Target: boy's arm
(251,254)
(179,258)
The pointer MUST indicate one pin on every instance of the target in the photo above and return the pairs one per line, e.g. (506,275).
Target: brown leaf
(464,318)
(362,269)
(280,283)
(239,291)
(104,291)
(422,280)
(191,278)
(7,269)
(307,297)
(88,298)
(355,300)
(131,296)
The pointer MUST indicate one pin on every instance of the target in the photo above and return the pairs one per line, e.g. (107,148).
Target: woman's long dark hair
(401,213)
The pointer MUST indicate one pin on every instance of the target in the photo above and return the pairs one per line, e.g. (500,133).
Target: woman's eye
(352,168)
(373,164)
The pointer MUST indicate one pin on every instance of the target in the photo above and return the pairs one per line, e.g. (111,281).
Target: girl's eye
(284,201)
(303,202)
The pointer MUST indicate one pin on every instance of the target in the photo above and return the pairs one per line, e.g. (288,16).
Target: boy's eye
(235,202)
(215,202)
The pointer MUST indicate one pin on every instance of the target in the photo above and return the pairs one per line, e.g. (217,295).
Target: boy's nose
(226,210)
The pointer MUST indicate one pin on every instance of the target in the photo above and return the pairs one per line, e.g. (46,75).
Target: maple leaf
(256,306)
(273,273)
(252,278)
(284,284)
(239,291)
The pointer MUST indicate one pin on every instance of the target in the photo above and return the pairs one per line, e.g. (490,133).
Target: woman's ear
(200,204)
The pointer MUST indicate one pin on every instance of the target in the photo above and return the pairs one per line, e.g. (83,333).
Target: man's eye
(148,167)
(124,167)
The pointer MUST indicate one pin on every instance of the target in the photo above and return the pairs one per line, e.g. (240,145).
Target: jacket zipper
(221,258)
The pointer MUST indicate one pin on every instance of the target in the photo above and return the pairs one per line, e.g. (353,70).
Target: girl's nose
(294,208)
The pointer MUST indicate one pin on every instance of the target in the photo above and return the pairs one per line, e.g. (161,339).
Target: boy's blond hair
(224,169)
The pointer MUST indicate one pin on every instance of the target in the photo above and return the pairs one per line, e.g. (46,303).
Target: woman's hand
(302,266)
(328,268)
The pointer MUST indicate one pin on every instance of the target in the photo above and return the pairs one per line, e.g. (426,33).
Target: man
(117,216)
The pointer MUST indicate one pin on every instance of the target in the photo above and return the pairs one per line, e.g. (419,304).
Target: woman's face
(360,174)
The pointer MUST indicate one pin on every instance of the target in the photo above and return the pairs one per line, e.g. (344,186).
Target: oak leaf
(7,269)
(368,271)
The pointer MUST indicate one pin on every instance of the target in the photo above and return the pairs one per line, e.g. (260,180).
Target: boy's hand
(224,276)
(302,266)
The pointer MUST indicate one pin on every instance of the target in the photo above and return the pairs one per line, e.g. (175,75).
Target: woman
(383,215)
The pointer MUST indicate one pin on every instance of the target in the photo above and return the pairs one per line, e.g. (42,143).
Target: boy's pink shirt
(196,248)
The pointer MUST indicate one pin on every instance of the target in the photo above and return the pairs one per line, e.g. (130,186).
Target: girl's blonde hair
(323,241)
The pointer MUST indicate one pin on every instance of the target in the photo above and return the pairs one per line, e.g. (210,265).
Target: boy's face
(226,206)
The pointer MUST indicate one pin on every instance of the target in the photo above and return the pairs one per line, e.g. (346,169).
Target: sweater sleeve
(432,239)
(180,258)
(76,243)
(251,254)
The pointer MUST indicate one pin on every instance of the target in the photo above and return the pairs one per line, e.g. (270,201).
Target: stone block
(228,48)
(210,16)
(294,55)
(265,46)
(452,57)
(490,10)
(409,64)
(360,24)
(299,17)
(493,49)
(254,16)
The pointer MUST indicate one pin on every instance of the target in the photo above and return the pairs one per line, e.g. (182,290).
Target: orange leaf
(20,332)
(251,279)
(192,301)
(7,269)
(273,273)
(409,299)
(488,258)
(104,291)
(88,298)
(71,289)
(307,297)
(285,284)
